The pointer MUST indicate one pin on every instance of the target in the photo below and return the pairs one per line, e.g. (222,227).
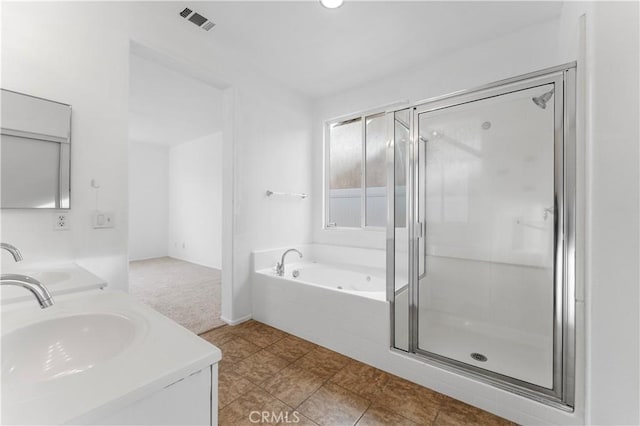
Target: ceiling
(168,107)
(318,51)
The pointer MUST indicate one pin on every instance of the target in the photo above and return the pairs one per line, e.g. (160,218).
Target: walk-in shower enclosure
(481,235)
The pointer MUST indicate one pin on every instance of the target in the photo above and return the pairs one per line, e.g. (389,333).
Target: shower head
(542,100)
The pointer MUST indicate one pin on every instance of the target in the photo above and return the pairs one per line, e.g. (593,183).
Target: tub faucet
(280,266)
(34,286)
(13,250)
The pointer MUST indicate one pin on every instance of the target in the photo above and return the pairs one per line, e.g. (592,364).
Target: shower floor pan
(528,358)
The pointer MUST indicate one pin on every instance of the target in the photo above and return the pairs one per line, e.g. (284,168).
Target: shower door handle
(421,225)
(420,235)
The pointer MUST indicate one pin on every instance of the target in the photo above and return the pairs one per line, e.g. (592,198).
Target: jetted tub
(358,280)
(337,299)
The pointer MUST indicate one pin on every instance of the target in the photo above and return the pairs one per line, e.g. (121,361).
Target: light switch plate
(102,219)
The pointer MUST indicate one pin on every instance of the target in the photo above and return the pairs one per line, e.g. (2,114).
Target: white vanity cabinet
(192,400)
(116,362)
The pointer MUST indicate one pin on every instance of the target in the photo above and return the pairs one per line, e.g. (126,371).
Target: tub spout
(280,265)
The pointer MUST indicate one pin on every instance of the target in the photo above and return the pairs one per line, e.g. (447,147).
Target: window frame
(326,181)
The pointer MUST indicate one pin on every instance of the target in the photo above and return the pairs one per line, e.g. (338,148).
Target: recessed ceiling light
(331,4)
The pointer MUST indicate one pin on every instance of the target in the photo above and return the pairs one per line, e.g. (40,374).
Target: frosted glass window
(345,174)
(357,172)
(376,171)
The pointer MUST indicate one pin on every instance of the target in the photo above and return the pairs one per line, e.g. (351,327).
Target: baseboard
(236,321)
(196,263)
(149,258)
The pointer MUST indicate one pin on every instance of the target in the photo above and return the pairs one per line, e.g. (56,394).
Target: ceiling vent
(197,19)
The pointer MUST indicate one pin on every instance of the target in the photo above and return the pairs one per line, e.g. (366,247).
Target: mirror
(35,152)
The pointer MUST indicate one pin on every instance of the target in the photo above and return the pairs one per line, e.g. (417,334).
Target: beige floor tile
(279,413)
(239,412)
(291,348)
(230,387)
(298,420)
(218,335)
(457,413)
(410,400)
(236,349)
(379,416)
(259,334)
(323,362)
(293,385)
(344,399)
(259,366)
(246,324)
(332,405)
(225,365)
(361,379)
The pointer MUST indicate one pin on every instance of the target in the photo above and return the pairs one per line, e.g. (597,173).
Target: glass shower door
(486,208)
(481,234)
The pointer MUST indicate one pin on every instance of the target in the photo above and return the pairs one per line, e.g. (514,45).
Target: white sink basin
(63,346)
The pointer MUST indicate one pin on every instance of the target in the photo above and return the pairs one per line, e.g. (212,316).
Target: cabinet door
(189,401)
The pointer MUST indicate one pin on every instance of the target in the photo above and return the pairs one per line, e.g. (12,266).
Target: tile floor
(265,370)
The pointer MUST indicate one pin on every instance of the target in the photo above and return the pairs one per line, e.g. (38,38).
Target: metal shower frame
(563,77)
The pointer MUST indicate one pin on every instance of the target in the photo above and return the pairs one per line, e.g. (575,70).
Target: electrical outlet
(60,221)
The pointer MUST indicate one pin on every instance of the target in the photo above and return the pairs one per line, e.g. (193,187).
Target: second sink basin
(63,346)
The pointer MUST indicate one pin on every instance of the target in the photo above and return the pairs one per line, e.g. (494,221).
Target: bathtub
(352,279)
(337,299)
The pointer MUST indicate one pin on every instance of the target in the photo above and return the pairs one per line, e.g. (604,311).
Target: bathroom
(288,72)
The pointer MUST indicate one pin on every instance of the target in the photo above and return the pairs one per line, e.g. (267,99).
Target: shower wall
(489,212)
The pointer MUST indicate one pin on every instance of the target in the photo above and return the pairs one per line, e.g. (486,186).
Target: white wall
(78,53)
(195,194)
(167,106)
(65,60)
(148,200)
(612,179)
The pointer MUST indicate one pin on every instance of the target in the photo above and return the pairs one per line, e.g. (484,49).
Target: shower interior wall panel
(486,194)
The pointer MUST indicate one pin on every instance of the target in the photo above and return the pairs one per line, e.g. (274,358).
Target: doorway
(175,192)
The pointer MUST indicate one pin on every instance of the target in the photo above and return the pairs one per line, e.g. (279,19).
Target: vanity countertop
(59,278)
(158,352)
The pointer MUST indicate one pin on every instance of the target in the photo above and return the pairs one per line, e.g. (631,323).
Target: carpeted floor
(187,293)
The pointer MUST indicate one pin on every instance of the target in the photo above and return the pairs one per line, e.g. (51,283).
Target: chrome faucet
(280,266)
(34,286)
(13,250)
